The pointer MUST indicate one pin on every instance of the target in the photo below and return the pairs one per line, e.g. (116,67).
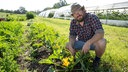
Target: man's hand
(86,47)
(71,44)
(72,51)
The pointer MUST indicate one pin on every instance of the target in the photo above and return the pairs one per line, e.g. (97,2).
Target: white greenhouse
(63,12)
(47,12)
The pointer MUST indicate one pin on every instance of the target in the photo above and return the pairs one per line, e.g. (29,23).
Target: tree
(60,4)
(63,2)
(47,8)
(30,15)
(57,5)
(1,10)
(22,10)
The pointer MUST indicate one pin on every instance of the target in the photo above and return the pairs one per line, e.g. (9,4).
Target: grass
(117,42)
(58,24)
(2,15)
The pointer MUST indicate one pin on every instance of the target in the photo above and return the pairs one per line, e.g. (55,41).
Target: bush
(30,15)
(11,34)
(51,15)
(62,15)
(21,18)
(10,18)
(15,17)
(114,15)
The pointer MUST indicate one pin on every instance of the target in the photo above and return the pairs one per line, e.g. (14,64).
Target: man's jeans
(79,44)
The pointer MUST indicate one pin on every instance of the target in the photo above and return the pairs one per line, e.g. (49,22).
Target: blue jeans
(79,44)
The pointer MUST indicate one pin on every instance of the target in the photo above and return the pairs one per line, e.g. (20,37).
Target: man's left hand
(86,47)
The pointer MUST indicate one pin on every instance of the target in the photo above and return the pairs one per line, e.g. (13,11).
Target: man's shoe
(96,64)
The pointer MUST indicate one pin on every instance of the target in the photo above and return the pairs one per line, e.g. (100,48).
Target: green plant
(30,15)
(62,15)
(51,15)
(114,58)
(10,41)
(113,15)
(15,17)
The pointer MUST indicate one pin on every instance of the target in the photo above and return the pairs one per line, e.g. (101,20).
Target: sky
(33,5)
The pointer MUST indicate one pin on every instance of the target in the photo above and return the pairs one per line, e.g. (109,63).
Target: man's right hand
(72,51)
(71,43)
(69,47)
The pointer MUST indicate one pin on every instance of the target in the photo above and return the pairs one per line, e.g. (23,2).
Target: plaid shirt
(87,31)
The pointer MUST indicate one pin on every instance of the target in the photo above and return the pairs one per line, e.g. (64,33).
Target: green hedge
(30,15)
(14,17)
(114,15)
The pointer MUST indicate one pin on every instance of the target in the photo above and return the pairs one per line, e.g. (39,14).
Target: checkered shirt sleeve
(96,24)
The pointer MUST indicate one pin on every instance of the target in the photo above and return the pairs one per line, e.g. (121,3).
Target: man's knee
(102,43)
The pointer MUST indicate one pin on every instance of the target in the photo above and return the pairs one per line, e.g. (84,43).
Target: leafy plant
(15,17)
(113,15)
(51,15)
(30,15)
(11,39)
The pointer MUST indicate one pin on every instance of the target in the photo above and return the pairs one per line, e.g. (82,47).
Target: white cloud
(41,4)
(28,4)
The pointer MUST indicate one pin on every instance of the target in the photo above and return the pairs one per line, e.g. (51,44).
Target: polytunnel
(63,12)
(121,8)
(47,12)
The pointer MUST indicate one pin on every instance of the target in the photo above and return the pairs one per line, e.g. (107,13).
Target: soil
(34,65)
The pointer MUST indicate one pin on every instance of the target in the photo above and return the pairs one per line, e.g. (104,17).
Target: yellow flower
(56,46)
(65,61)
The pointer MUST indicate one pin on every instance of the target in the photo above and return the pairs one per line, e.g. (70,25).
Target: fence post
(107,16)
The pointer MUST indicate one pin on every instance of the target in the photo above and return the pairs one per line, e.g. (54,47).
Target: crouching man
(86,33)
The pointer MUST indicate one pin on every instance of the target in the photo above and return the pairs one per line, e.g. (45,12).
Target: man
(86,33)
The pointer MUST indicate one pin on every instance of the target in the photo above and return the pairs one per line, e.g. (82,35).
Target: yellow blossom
(56,46)
(65,61)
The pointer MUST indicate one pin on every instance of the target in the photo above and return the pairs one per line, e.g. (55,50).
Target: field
(39,45)
(117,41)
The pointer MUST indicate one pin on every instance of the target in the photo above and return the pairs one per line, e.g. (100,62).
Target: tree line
(59,4)
(21,10)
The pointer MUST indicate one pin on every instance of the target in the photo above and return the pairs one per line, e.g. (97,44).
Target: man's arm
(71,44)
(99,34)
(72,37)
(72,40)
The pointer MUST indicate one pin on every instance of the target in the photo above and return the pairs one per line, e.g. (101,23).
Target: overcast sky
(41,4)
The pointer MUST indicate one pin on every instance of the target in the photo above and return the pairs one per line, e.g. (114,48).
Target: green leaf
(46,61)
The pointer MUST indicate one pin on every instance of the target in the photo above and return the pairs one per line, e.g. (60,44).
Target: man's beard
(80,20)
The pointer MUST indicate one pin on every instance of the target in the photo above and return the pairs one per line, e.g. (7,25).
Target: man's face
(78,15)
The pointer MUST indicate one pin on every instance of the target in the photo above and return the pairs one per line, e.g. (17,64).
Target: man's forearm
(98,35)
(72,40)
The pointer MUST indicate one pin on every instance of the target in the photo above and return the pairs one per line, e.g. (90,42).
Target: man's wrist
(89,42)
